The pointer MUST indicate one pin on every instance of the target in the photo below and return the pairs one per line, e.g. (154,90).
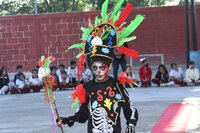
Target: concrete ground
(28,113)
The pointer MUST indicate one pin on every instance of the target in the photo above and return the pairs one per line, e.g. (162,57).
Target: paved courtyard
(28,113)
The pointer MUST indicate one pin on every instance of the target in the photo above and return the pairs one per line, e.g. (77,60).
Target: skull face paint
(100,71)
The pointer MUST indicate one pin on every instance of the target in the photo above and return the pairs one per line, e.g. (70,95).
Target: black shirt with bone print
(103,107)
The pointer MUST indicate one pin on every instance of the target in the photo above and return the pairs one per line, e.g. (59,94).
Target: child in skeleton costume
(102,99)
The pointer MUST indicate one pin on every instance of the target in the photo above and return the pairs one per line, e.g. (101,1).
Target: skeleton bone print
(100,121)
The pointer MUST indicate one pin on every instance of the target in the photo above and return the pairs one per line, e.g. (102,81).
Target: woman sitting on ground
(4,80)
(162,76)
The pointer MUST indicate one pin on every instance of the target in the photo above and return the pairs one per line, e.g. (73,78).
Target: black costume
(102,99)
(103,107)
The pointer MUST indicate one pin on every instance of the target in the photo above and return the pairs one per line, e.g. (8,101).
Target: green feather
(117,16)
(77,45)
(126,40)
(84,30)
(132,26)
(85,33)
(116,8)
(105,36)
(79,55)
(47,63)
(42,58)
(104,11)
(103,32)
(97,20)
(75,103)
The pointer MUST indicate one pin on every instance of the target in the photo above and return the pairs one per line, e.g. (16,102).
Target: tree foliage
(15,7)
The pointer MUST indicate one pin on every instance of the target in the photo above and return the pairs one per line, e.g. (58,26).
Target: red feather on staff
(80,94)
(128,52)
(124,14)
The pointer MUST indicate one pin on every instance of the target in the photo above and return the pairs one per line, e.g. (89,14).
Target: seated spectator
(19,71)
(192,74)
(72,72)
(129,74)
(162,76)
(64,80)
(145,73)
(86,75)
(21,85)
(56,79)
(4,80)
(176,75)
(35,83)
(60,69)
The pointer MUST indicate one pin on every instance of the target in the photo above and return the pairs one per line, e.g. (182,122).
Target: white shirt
(34,81)
(192,74)
(20,84)
(58,73)
(87,75)
(177,74)
(64,80)
(72,73)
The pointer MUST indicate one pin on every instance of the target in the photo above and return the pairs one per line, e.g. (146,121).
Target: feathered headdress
(109,31)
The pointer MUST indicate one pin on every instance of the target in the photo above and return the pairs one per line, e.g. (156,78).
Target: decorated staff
(102,99)
(48,80)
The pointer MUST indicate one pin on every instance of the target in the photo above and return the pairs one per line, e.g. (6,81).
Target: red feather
(128,52)
(123,80)
(79,93)
(124,14)
(81,65)
(100,30)
(52,59)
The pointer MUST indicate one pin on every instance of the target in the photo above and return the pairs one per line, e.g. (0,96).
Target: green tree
(182,2)
(13,7)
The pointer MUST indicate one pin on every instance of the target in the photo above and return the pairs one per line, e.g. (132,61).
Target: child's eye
(94,68)
(102,67)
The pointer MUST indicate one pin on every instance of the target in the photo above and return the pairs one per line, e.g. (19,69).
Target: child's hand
(130,128)
(59,122)
(64,120)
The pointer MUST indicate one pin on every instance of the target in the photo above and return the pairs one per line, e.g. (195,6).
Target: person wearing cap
(145,73)
(102,99)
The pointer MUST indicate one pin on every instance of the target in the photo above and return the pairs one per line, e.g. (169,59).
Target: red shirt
(145,72)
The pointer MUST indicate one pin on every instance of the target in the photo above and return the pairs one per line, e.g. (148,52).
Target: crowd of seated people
(66,78)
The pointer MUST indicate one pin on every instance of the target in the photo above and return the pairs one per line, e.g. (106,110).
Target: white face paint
(100,71)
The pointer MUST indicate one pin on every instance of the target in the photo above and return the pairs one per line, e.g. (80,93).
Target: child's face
(53,71)
(22,77)
(19,70)
(61,68)
(35,74)
(175,67)
(100,70)
(73,65)
(4,72)
(128,69)
(162,70)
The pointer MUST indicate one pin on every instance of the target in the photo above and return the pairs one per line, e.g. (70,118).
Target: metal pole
(187,33)
(194,32)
